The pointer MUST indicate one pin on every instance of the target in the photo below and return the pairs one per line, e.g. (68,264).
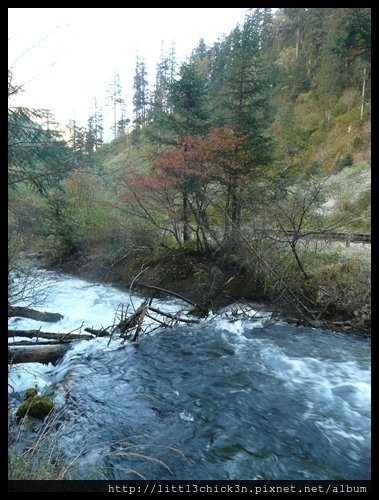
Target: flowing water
(228,398)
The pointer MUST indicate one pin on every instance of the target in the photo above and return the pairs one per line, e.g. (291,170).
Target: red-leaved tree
(188,184)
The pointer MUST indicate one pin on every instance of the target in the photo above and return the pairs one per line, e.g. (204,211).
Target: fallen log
(202,310)
(163,290)
(36,354)
(26,312)
(139,324)
(99,333)
(31,334)
(42,343)
(175,317)
(137,318)
(128,323)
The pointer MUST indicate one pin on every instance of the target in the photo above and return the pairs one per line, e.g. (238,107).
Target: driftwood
(42,343)
(41,351)
(200,310)
(175,317)
(136,320)
(130,322)
(57,343)
(36,354)
(168,292)
(31,334)
(99,333)
(26,312)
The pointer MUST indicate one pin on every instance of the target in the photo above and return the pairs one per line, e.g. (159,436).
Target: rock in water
(34,406)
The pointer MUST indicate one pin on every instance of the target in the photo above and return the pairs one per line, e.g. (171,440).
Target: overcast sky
(64,57)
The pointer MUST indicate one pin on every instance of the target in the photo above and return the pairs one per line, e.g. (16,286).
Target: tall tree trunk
(236,217)
(236,209)
(297,42)
(233,215)
(298,31)
(228,224)
(185,217)
(115,119)
(363,93)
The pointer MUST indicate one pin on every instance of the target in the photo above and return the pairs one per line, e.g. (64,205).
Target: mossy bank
(342,304)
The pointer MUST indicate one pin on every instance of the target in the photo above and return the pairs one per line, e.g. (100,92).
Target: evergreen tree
(90,140)
(116,100)
(158,131)
(201,58)
(242,103)
(187,101)
(159,95)
(37,154)
(188,117)
(77,141)
(97,124)
(141,97)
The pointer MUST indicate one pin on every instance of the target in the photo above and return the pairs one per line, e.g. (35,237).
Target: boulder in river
(34,406)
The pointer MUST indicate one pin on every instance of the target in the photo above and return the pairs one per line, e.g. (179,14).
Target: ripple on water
(226,399)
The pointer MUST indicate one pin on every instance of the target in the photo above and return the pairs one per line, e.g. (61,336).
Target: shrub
(345,161)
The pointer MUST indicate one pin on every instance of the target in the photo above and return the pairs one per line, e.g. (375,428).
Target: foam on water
(252,395)
(24,376)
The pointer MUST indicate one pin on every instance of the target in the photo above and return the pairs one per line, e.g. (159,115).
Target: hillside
(235,157)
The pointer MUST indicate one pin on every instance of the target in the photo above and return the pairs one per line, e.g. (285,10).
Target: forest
(249,160)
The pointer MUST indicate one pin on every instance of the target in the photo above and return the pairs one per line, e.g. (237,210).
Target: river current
(228,398)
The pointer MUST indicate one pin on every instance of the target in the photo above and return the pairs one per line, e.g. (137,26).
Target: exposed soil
(194,276)
(191,275)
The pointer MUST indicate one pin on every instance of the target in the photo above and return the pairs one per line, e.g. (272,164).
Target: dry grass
(43,457)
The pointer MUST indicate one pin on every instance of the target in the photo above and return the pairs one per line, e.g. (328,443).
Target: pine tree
(158,130)
(242,103)
(90,140)
(116,100)
(188,102)
(98,124)
(37,154)
(159,95)
(141,97)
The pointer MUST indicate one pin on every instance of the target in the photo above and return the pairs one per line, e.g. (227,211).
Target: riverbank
(190,274)
(214,281)
(213,400)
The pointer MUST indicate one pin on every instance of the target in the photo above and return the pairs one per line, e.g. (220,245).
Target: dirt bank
(192,275)
(196,277)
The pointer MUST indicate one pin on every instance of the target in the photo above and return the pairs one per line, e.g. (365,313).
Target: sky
(63,57)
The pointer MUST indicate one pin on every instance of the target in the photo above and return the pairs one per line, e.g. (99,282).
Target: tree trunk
(36,354)
(233,216)
(165,291)
(363,93)
(185,217)
(297,41)
(26,312)
(236,210)
(30,334)
(228,225)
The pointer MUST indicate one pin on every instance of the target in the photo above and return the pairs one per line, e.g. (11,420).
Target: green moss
(30,393)
(200,311)
(34,406)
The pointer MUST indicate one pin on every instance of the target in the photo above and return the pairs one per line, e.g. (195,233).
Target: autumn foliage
(191,181)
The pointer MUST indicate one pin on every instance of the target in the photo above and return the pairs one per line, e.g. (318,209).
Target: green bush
(345,161)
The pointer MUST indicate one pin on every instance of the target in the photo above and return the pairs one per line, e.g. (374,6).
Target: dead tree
(36,353)
(26,312)
(31,334)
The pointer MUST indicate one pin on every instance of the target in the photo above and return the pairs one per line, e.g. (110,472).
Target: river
(228,398)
